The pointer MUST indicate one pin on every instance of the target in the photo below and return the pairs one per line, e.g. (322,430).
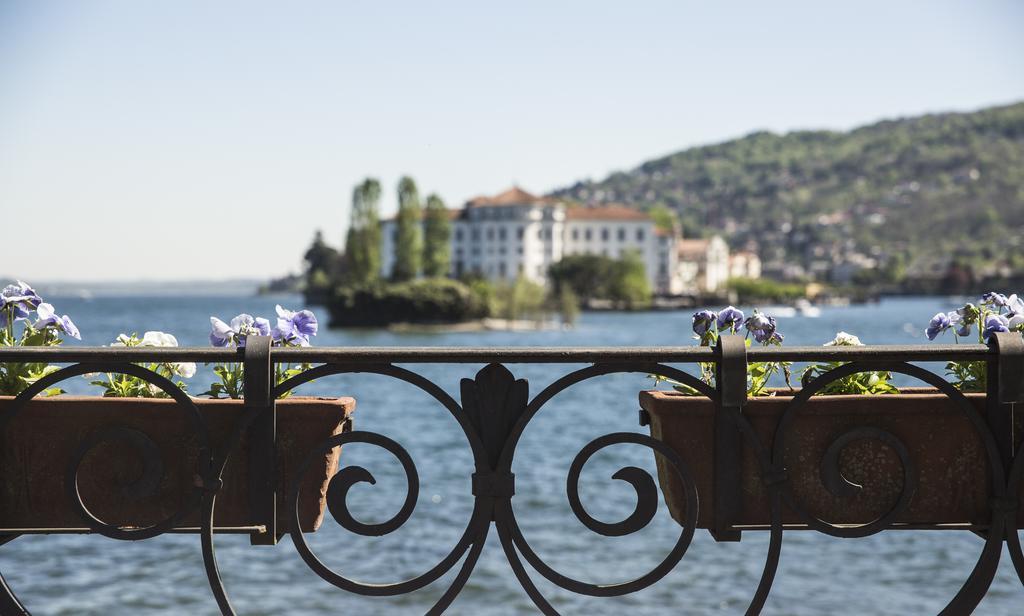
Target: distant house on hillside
(703,265)
(744,264)
(516,234)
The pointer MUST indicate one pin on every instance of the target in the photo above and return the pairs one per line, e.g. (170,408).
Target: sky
(201,140)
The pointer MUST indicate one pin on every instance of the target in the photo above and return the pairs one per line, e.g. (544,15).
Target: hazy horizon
(209,142)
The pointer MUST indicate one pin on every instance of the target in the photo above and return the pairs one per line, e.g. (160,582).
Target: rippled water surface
(889,573)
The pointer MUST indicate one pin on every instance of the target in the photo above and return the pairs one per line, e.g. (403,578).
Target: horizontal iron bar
(509,355)
(73,354)
(81,530)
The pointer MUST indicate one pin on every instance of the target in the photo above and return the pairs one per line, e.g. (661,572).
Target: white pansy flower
(158,339)
(844,339)
(161,339)
(124,340)
(1015,317)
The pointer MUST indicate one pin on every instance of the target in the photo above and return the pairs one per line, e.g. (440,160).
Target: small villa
(515,233)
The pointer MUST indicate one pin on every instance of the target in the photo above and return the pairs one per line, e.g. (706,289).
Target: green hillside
(912,195)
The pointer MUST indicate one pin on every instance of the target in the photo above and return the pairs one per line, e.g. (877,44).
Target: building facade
(518,234)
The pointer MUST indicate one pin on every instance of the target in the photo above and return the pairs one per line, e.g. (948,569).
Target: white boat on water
(807,309)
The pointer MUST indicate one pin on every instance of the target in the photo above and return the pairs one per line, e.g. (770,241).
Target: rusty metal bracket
(258,371)
(1005,388)
(731,383)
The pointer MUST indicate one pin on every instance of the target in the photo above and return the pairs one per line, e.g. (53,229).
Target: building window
(458,235)
(622,234)
(475,235)
(639,235)
(501,234)
(490,234)
(394,235)
(540,234)
(587,235)
(519,233)
(575,234)
(604,234)
(501,250)
(520,250)
(501,269)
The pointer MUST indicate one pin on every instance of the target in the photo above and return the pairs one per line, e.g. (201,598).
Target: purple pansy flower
(995,323)
(49,318)
(968,315)
(294,327)
(241,327)
(730,318)
(939,323)
(703,321)
(762,327)
(19,298)
(994,299)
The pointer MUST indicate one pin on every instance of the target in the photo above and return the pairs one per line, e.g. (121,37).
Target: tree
(320,257)
(664,219)
(596,277)
(437,230)
(362,246)
(629,281)
(322,266)
(587,276)
(408,243)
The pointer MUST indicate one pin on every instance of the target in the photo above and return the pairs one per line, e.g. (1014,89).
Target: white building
(516,233)
(744,264)
(703,265)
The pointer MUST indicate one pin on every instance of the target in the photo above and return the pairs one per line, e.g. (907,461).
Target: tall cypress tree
(362,246)
(408,241)
(437,230)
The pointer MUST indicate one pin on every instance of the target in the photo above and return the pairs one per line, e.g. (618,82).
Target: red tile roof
(512,196)
(693,248)
(606,212)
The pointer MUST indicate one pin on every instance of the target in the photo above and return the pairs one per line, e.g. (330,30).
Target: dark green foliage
(437,230)
(521,299)
(595,277)
(586,275)
(408,237)
(323,265)
(429,300)
(362,245)
(628,283)
(929,187)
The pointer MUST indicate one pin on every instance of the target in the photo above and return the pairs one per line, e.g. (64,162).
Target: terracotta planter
(40,443)
(951,462)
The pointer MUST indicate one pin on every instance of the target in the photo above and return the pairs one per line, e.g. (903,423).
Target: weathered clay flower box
(43,439)
(953,485)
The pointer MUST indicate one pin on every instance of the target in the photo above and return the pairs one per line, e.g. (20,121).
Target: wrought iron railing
(494,410)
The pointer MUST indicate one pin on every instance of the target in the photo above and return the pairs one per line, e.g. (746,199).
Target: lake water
(890,573)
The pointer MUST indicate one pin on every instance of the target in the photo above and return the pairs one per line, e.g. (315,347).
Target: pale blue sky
(210,139)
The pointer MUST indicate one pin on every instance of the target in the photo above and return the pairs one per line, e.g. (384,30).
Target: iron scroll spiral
(471,540)
(973,590)
(642,482)
(145,485)
(142,487)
